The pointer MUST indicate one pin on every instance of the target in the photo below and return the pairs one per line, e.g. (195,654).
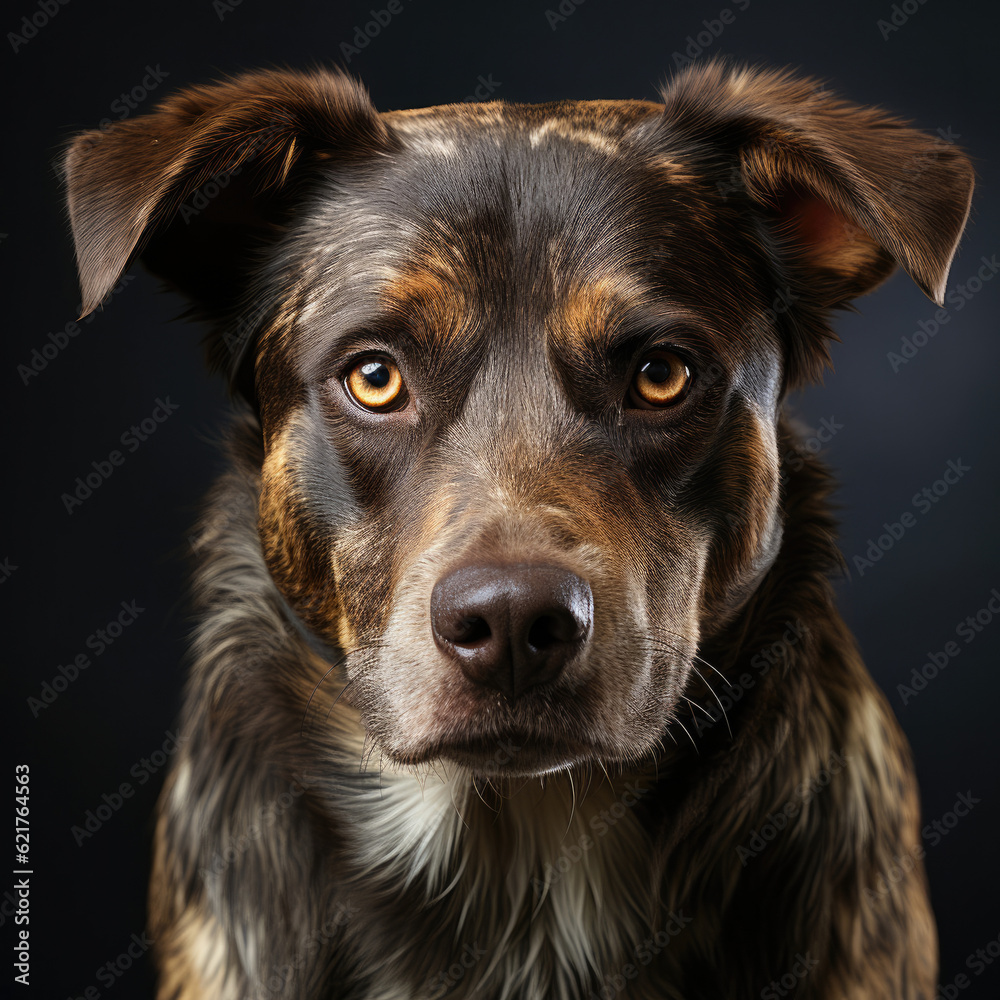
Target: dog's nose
(511,627)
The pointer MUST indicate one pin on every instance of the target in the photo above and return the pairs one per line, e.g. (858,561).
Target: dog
(518,672)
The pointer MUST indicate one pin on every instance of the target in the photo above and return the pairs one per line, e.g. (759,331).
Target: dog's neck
(546,870)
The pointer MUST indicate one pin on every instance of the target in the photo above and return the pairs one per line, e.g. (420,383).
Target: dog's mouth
(548,730)
(518,754)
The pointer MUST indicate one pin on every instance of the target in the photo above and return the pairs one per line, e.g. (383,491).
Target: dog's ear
(195,187)
(849,190)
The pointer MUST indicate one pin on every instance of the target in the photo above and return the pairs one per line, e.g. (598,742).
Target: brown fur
(517,263)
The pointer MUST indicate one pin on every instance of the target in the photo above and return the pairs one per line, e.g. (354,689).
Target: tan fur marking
(560,129)
(586,310)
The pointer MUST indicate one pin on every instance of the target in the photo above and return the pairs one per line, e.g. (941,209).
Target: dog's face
(519,370)
(523,383)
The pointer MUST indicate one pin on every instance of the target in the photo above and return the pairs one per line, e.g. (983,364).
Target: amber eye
(376,384)
(663,378)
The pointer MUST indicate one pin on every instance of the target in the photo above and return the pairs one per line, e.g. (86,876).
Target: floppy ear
(197,186)
(849,190)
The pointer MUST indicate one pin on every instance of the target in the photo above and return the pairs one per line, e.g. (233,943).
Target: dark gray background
(897,433)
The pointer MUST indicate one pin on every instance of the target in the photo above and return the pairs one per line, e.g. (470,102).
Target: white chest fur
(543,887)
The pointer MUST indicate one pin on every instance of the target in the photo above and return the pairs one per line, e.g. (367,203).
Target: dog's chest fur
(533,895)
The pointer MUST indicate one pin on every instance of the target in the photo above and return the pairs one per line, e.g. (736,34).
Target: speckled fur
(347,816)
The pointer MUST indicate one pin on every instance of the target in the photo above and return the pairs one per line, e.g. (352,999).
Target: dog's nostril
(471,631)
(511,627)
(549,630)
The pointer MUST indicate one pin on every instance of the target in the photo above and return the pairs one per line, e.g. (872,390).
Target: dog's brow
(602,316)
(429,298)
(587,317)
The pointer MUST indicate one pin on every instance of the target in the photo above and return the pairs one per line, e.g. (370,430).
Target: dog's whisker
(319,684)
(572,805)
(340,694)
(694,721)
(479,792)
(681,648)
(711,691)
(689,736)
(453,788)
(694,705)
(605,770)
(368,748)
(660,644)
(714,669)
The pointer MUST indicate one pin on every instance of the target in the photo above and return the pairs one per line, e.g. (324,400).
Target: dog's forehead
(550,233)
(575,218)
(574,168)
(605,125)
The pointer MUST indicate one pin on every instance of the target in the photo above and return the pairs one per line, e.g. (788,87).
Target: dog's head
(518,368)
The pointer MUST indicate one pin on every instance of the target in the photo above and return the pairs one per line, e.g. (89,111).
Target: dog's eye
(376,384)
(663,379)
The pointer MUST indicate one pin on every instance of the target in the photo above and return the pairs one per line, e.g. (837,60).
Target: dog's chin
(515,758)
(519,755)
(543,732)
